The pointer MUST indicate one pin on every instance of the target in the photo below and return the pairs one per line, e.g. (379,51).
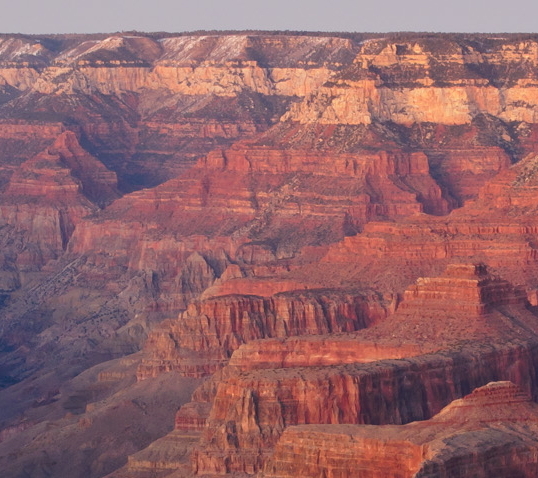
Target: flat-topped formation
(365,374)
(202,339)
(494,402)
(459,306)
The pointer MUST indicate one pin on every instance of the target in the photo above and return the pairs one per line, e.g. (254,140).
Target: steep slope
(443,345)
(46,196)
(499,228)
(201,340)
(150,107)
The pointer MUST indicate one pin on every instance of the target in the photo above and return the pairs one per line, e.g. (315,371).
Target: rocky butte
(224,253)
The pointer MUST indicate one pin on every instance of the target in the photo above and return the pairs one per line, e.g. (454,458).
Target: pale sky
(90,16)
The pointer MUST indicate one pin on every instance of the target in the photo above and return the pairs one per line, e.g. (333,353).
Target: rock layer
(48,195)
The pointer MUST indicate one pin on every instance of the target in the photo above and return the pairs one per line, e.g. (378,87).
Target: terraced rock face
(449,335)
(201,340)
(319,221)
(487,432)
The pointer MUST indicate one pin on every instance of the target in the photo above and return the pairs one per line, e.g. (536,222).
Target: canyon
(224,251)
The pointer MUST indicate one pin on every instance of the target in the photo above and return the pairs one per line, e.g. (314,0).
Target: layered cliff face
(274,198)
(430,80)
(222,88)
(151,106)
(498,227)
(485,433)
(201,340)
(47,195)
(449,335)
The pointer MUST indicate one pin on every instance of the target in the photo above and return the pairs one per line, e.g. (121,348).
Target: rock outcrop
(47,196)
(250,411)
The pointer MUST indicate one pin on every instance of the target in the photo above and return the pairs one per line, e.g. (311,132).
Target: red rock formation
(392,183)
(202,339)
(285,190)
(435,327)
(486,433)
(61,172)
(499,228)
(430,308)
(97,182)
(251,410)
(244,159)
(463,289)
(169,100)
(48,195)
(169,454)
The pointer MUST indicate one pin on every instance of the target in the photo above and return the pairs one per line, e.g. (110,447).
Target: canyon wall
(421,449)
(276,211)
(405,368)
(202,339)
